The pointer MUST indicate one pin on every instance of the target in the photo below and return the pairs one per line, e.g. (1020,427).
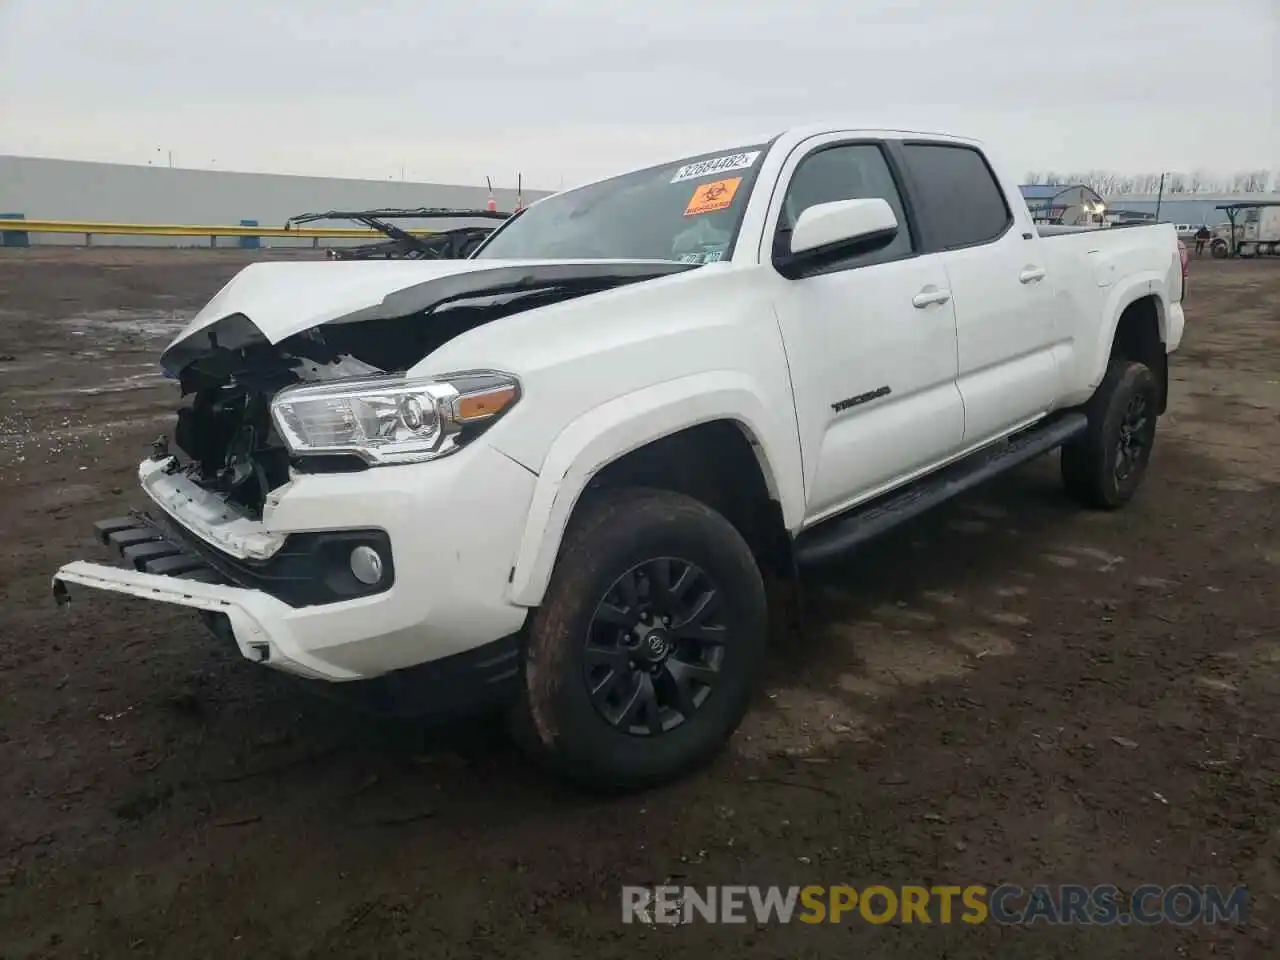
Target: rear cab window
(958,194)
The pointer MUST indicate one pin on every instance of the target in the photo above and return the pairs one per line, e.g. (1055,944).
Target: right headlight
(391,419)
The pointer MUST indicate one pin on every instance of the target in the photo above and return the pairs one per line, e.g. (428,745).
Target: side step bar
(841,534)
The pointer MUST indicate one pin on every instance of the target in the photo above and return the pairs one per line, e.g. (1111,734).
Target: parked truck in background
(554,479)
(1257,231)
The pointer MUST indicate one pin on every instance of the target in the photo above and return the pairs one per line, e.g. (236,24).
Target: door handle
(1031,274)
(929,296)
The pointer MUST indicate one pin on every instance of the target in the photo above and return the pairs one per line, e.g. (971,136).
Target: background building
(1186,211)
(1075,205)
(45,189)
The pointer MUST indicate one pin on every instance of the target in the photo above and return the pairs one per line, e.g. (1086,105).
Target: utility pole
(1159,197)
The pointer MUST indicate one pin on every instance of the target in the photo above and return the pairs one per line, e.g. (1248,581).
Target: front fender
(614,429)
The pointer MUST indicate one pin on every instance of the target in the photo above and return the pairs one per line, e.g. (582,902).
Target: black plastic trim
(309,569)
(328,462)
(474,682)
(848,530)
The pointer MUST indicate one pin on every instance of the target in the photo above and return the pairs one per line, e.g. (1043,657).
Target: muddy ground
(1010,690)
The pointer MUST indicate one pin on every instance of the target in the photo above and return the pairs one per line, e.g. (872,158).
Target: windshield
(687,210)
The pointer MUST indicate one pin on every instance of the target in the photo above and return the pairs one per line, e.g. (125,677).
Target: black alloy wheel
(649,643)
(1104,466)
(654,646)
(1134,438)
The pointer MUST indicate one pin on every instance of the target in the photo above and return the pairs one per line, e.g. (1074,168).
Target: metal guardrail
(91,228)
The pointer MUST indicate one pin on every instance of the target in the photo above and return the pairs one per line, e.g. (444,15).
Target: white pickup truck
(555,478)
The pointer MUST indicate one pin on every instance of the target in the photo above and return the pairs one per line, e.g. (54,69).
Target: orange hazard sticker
(711,197)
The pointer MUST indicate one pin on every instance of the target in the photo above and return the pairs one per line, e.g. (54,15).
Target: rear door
(870,340)
(999,279)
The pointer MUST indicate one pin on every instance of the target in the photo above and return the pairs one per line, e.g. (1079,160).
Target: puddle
(148,324)
(137,381)
(134,381)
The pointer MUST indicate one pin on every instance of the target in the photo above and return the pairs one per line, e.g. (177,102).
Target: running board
(841,534)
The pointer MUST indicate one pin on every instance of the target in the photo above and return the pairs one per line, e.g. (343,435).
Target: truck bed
(1056,230)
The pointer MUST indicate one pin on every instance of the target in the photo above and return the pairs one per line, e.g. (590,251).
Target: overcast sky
(567,90)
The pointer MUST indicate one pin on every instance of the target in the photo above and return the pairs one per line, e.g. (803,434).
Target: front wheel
(648,646)
(1104,466)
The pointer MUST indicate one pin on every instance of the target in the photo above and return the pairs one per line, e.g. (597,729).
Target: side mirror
(836,230)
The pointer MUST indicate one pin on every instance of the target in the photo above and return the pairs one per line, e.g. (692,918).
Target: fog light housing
(366,565)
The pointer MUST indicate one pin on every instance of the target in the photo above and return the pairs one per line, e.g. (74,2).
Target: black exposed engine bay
(225,430)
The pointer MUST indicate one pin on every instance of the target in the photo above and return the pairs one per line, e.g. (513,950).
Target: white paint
(476,534)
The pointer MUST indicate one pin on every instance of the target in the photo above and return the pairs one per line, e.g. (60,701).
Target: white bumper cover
(454,526)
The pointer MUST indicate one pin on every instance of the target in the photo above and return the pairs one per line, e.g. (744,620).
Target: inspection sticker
(703,168)
(713,256)
(713,196)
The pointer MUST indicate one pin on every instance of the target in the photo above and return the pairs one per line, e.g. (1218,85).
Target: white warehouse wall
(48,189)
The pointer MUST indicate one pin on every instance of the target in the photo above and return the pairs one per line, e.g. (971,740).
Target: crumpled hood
(281,299)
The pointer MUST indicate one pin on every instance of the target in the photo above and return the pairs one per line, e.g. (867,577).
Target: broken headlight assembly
(391,419)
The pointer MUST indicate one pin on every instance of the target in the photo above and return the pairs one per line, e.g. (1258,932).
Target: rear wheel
(1105,465)
(649,644)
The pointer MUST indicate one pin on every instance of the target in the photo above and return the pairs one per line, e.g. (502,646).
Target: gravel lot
(1009,690)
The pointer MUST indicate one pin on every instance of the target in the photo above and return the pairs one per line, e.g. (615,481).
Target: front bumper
(454,526)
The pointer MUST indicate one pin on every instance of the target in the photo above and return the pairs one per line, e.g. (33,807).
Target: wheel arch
(623,440)
(1138,332)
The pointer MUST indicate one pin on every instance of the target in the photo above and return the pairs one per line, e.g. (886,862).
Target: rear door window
(958,194)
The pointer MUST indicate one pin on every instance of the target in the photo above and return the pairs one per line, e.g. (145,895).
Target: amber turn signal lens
(483,404)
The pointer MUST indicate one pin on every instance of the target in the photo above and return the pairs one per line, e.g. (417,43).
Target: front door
(871,341)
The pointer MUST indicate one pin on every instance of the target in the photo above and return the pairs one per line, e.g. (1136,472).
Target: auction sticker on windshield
(703,168)
(711,197)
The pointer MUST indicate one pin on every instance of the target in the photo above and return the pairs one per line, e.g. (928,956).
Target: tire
(641,537)
(1098,468)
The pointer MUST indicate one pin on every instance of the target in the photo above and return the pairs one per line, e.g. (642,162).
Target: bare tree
(1109,183)
(1256,181)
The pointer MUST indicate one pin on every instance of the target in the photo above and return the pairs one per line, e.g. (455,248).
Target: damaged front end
(306,369)
(269,513)
(270,394)
(226,442)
